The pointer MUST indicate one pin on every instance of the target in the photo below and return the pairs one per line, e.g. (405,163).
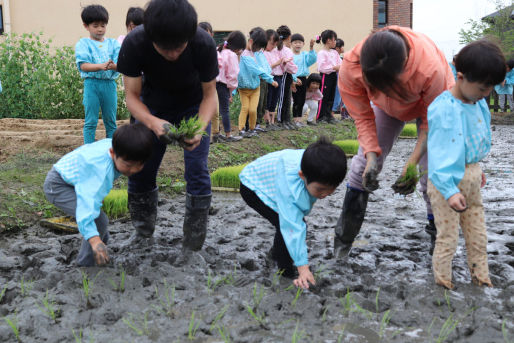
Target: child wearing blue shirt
(505,88)
(96,59)
(459,136)
(282,187)
(303,60)
(80,180)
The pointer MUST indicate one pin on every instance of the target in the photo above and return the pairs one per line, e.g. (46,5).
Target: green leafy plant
(13,324)
(227,177)
(119,286)
(349,146)
(409,130)
(49,307)
(193,327)
(115,204)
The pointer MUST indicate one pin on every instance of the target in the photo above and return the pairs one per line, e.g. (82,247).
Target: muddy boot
(432,231)
(143,213)
(350,221)
(195,221)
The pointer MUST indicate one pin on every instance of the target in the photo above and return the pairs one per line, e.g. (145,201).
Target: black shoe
(195,221)
(432,231)
(143,213)
(312,123)
(350,221)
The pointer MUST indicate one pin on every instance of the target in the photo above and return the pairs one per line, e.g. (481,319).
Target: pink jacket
(316,95)
(289,67)
(327,60)
(273,56)
(229,68)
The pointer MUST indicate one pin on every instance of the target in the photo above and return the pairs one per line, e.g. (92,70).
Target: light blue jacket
(91,51)
(274,178)
(509,84)
(250,72)
(90,169)
(262,61)
(304,60)
(458,134)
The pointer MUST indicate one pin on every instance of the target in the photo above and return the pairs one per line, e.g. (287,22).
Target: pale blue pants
(98,94)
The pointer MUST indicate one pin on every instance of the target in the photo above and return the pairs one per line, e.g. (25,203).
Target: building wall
(399,12)
(60,19)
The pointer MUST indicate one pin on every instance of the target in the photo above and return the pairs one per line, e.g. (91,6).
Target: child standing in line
(263,116)
(505,88)
(134,19)
(274,61)
(338,104)
(96,59)
(312,97)
(282,187)
(207,27)
(248,82)
(328,66)
(459,137)
(226,81)
(288,70)
(303,61)
(79,181)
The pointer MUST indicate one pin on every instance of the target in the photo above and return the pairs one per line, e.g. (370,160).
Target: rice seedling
(350,305)
(225,335)
(2,293)
(139,326)
(187,129)
(297,335)
(119,286)
(227,177)
(409,130)
(341,335)
(259,318)
(214,282)
(218,317)
(79,336)
(504,332)
(193,327)
(115,204)
(320,272)
(166,305)
(376,300)
(257,294)
(448,327)
(447,298)
(349,146)
(13,324)
(324,314)
(299,292)
(384,322)
(49,307)
(276,280)
(25,286)
(87,285)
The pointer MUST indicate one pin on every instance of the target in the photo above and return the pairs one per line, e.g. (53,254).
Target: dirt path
(383,292)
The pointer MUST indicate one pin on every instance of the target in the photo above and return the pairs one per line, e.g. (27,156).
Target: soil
(383,291)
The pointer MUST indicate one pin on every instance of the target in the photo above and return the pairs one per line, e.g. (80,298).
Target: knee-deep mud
(384,291)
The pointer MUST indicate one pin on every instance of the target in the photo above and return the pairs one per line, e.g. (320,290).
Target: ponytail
(235,41)
(326,35)
(283,33)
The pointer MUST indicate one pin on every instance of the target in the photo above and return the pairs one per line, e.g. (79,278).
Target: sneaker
(215,138)
(258,128)
(311,123)
(299,124)
(233,138)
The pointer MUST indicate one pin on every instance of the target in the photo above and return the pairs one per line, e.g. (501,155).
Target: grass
(227,177)
(115,204)
(349,146)
(409,130)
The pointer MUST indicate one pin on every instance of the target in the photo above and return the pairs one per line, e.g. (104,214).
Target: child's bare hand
(105,66)
(299,82)
(484,180)
(311,43)
(457,202)
(305,276)
(275,84)
(99,250)
(287,60)
(293,88)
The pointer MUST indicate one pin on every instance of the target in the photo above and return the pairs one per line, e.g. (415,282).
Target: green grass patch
(115,204)
(227,176)
(349,146)
(409,130)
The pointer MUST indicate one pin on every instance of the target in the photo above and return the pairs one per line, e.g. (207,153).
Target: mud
(384,291)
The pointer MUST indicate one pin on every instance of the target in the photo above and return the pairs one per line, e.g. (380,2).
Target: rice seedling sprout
(166,305)
(120,286)
(504,332)
(13,324)
(193,327)
(227,177)
(299,292)
(409,130)
(49,307)
(218,317)
(115,204)
(2,293)
(349,146)
(25,286)
(297,335)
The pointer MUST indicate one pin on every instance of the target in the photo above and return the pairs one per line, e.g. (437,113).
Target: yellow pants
(473,228)
(249,102)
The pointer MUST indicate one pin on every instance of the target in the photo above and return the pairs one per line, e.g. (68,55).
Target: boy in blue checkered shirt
(80,180)
(282,187)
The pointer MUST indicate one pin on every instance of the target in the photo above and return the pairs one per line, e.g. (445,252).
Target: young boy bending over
(80,180)
(282,187)
(459,137)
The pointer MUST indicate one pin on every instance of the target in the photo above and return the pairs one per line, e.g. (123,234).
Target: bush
(349,146)
(40,82)
(227,176)
(409,130)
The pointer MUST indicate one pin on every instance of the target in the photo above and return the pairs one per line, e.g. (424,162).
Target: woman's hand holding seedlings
(304,277)
(99,250)
(457,202)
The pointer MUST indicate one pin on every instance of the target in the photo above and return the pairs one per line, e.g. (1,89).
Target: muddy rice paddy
(384,291)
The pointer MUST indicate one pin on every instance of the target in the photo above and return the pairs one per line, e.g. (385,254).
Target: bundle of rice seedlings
(409,130)
(115,204)
(349,146)
(227,177)
(186,130)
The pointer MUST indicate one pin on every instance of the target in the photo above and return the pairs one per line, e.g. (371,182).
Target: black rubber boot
(143,213)
(195,221)
(432,231)
(350,221)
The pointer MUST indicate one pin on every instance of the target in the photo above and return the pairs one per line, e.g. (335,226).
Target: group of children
(283,186)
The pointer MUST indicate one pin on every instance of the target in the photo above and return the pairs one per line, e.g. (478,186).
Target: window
(1,20)
(220,36)
(382,13)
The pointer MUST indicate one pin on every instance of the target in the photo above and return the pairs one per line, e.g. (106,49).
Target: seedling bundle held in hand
(406,184)
(187,129)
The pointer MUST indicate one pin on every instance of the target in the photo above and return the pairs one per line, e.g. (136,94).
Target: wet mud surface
(384,290)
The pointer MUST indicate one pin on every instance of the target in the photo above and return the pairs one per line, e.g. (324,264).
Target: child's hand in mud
(457,202)
(99,250)
(304,277)
(370,174)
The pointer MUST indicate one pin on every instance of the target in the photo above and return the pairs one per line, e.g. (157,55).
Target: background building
(392,12)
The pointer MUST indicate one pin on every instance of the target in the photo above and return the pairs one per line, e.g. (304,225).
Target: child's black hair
(94,13)
(272,35)
(206,26)
(324,162)
(314,77)
(133,142)
(236,40)
(297,36)
(510,63)
(326,35)
(283,33)
(339,43)
(258,37)
(135,16)
(382,60)
(482,61)
(170,23)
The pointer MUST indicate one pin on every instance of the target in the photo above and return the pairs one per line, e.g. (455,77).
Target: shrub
(409,130)
(40,82)
(349,146)
(115,204)
(227,176)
